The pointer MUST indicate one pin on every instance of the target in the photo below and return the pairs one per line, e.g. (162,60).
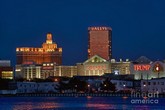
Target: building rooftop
(142,60)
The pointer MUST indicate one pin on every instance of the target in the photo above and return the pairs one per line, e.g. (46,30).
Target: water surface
(75,103)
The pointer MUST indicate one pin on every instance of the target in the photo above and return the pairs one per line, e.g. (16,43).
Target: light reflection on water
(74,103)
(30,105)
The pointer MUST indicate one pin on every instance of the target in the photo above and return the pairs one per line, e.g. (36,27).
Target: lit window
(60,49)
(22,49)
(7,74)
(55,80)
(17,70)
(17,49)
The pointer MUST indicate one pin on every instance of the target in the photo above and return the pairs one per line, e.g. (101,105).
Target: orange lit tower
(48,53)
(99,42)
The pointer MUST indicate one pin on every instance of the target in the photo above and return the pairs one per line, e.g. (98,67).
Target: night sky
(138,26)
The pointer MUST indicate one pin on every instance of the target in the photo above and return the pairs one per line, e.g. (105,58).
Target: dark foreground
(79,103)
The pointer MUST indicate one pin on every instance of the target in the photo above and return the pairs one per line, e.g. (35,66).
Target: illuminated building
(28,70)
(141,67)
(68,71)
(95,66)
(6,71)
(121,67)
(48,53)
(48,69)
(43,71)
(99,66)
(144,68)
(99,42)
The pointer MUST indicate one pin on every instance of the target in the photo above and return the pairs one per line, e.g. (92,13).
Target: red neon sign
(142,67)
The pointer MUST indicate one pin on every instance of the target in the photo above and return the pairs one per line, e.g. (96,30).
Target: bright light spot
(157,68)
(17,70)
(116,72)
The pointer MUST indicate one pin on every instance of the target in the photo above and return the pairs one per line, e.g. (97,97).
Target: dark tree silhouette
(73,84)
(107,85)
(78,85)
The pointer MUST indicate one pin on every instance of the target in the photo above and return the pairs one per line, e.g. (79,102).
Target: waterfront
(75,103)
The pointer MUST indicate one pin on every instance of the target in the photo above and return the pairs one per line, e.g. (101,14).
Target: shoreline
(74,95)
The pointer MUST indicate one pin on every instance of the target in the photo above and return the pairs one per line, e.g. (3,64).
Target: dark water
(76,103)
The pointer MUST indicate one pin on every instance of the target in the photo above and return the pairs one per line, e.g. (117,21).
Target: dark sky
(138,26)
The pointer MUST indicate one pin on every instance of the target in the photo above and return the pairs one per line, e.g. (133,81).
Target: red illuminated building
(99,42)
(49,52)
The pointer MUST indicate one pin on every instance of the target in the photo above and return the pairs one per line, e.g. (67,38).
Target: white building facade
(122,85)
(33,87)
(153,85)
(95,66)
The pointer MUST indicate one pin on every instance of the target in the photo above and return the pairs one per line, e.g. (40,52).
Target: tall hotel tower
(99,42)
(49,52)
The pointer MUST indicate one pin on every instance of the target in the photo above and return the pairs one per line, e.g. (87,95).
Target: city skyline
(82,54)
(138,31)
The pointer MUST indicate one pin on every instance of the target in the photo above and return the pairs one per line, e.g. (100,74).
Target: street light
(105,87)
(145,91)
(124,87)
(88,88)
(144,87)
(124,97)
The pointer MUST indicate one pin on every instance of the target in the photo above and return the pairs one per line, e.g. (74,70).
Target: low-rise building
(153,85)
(6,71)
(68,71)
(32,70)
(28,70)
(36,87)
(123,85)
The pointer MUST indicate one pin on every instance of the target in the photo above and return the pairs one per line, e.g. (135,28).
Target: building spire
(49,38)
